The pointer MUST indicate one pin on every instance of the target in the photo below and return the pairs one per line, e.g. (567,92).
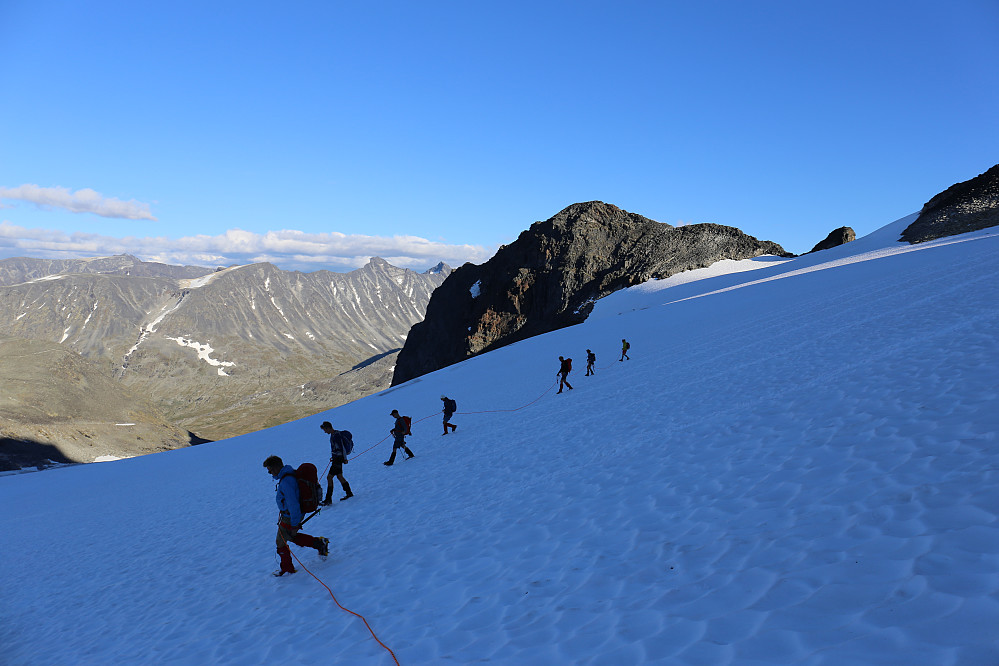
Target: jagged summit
(552,274)
(441,267)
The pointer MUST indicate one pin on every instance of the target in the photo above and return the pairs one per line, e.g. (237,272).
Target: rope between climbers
(486,411)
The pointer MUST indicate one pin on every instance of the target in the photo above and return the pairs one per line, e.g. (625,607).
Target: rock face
(967,206)
(214,352)
(551,275)
(835,237)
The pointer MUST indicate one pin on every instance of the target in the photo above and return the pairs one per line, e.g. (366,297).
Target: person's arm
(290,488)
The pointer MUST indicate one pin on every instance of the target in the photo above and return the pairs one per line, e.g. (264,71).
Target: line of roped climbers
(288,493)
(290,515)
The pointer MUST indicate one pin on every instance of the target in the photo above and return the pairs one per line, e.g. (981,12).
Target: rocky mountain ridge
(551,275)
(24,269)
(221,352)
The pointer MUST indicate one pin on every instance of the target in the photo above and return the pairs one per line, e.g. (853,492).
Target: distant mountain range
(116,356)
(217,353)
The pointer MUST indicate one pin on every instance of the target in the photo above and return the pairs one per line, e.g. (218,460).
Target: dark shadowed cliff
(967,206)
(551,275)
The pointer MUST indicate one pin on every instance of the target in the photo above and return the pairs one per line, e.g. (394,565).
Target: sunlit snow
(799,465)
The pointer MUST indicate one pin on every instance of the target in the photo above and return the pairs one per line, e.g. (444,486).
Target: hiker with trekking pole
(290,510)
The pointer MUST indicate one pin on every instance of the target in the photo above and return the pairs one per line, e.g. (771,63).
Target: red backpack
(309,490)
(409,424)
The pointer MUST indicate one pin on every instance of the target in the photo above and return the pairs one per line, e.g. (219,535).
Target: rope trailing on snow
(346,609)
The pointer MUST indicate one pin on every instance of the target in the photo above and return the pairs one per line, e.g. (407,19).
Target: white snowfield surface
(799,465)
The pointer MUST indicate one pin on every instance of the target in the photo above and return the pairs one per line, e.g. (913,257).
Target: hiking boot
(326,502)
(281,572)
(411,455)
(347,496)
(387,463)
(323,546)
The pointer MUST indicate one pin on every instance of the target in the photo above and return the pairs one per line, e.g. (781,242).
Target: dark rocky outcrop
(835,237)
(964,207)
(551,275)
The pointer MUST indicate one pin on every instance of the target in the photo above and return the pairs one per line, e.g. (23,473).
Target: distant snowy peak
(255,328)
(441,267)
(23,269)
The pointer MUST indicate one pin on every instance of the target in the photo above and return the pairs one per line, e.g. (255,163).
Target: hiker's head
(273,464)
(560,358)
(443,397)
(326,426)
(395,413)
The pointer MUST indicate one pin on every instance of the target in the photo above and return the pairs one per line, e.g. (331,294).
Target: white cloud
(288,249)
(81,201)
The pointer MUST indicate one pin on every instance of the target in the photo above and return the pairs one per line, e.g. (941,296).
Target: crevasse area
(799,465)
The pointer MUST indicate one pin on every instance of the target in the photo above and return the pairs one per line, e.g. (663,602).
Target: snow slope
(799,466)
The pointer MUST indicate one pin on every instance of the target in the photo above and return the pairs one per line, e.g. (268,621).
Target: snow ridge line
(843,261)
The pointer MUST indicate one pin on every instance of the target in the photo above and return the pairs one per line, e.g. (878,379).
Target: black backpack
(346,441)
(450,405)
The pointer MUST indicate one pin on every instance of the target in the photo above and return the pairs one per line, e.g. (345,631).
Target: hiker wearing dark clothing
(338,458)
(625,346)
(563,373)
(290,516)
(399,431)
(450,406)
(591,358)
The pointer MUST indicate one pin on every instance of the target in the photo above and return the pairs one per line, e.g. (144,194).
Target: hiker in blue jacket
(338,458)
(290,516)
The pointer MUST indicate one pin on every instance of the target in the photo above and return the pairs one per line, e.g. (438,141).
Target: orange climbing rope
(346,609)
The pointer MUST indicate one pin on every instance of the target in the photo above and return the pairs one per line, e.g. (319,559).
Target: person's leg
(346,487)
(329,486)
(284,553)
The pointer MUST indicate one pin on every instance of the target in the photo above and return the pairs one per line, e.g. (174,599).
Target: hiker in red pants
(290,516)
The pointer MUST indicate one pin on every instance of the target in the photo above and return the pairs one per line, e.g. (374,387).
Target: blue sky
(317,134)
